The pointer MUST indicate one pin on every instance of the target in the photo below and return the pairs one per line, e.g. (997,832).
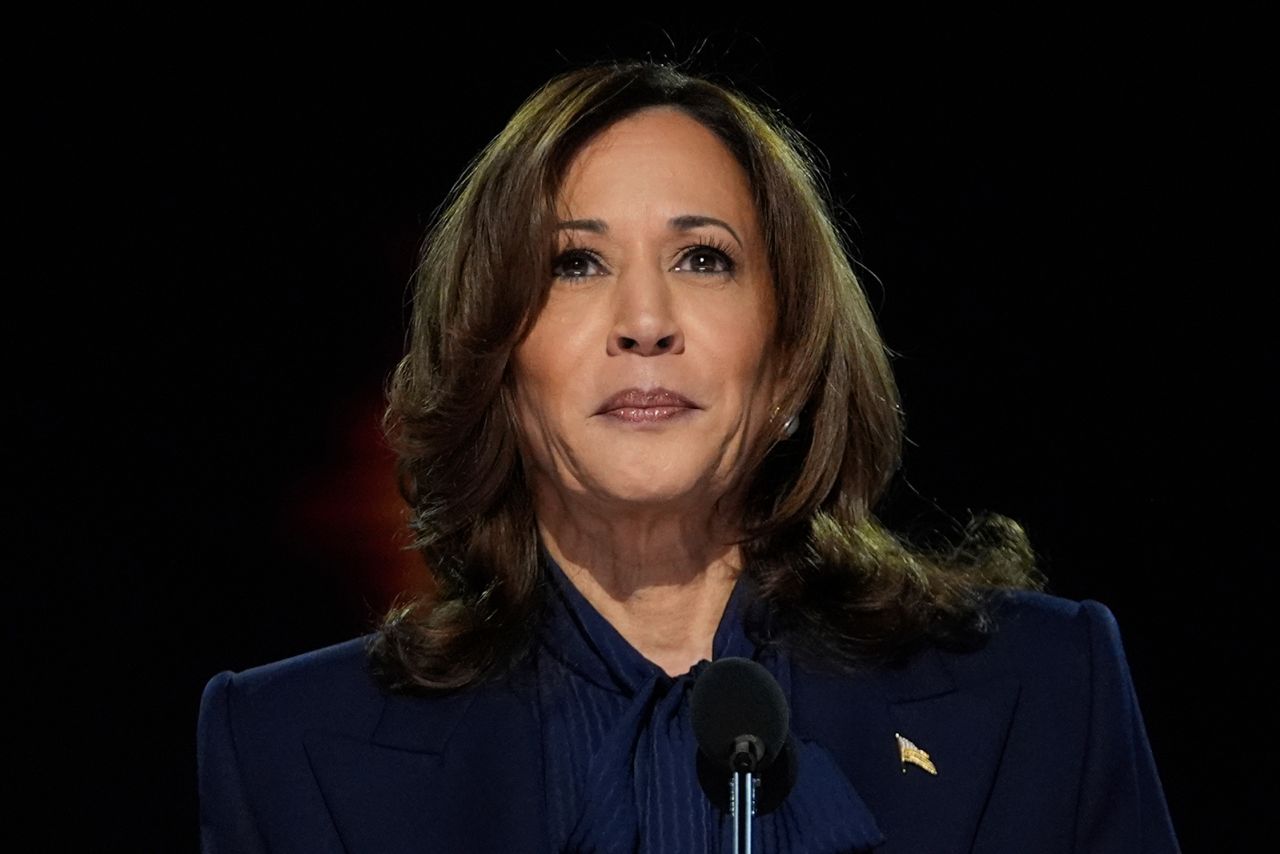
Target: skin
(627,510)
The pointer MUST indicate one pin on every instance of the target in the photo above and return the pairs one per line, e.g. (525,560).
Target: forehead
(658,157)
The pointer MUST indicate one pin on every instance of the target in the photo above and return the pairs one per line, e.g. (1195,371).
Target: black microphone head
(737,697)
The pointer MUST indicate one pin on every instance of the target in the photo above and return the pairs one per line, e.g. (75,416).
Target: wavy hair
(844,589)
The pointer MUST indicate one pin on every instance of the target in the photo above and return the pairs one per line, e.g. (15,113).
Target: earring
(789,426)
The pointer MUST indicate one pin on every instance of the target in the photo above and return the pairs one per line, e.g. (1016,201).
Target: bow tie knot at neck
(622,757)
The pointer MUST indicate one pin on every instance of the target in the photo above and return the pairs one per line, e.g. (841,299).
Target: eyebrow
(685,222)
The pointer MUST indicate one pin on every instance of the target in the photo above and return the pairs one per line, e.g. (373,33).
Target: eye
(574,264)
(707,255)
(710,258)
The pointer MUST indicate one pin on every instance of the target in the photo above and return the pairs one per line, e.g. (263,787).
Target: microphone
(741,722)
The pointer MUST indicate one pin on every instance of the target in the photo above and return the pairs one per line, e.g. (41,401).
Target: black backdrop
(1065,226)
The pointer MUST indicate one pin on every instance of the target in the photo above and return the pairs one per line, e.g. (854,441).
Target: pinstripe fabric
(620,751)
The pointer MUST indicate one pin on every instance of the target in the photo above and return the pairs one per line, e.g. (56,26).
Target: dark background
(1066,228)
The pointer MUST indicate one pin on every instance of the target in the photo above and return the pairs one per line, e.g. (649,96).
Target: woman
(642,424)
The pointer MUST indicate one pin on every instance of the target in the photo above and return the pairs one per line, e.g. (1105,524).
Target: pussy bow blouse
(619,749)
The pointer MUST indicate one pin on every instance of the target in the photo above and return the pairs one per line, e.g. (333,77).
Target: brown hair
(844,588)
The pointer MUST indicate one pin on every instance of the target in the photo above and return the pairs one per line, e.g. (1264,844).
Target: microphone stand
(742,791)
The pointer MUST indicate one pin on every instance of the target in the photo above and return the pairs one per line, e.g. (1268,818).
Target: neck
(662,580)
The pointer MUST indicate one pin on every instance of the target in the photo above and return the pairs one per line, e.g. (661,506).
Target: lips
(635,398)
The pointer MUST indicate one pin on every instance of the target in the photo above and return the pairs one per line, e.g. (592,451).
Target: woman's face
(661,281)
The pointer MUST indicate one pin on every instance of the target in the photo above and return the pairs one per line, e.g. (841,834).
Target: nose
(645,321)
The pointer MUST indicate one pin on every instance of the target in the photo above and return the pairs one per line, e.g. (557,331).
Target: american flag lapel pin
(914,755)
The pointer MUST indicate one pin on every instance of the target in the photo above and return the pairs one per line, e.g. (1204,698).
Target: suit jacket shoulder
(1033,742)
(310,754)
(251,737)
(1120,804)
(1050,644)
(1076,685)
(1036,638)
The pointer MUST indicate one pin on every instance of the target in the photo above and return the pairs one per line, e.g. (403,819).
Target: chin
(651,490)
(636,473)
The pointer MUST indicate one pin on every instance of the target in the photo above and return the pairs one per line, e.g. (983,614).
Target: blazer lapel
(962,731)
(455,773)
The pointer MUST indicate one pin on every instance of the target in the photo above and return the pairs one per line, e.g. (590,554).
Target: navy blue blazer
(1037,741)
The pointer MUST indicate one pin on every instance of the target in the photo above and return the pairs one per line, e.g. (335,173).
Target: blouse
(619,747)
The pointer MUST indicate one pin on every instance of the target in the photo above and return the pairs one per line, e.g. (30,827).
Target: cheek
(534,359)
(747,345)
(547,351)
(542,370)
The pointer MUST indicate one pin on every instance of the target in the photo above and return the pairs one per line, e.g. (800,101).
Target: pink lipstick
(639,406)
